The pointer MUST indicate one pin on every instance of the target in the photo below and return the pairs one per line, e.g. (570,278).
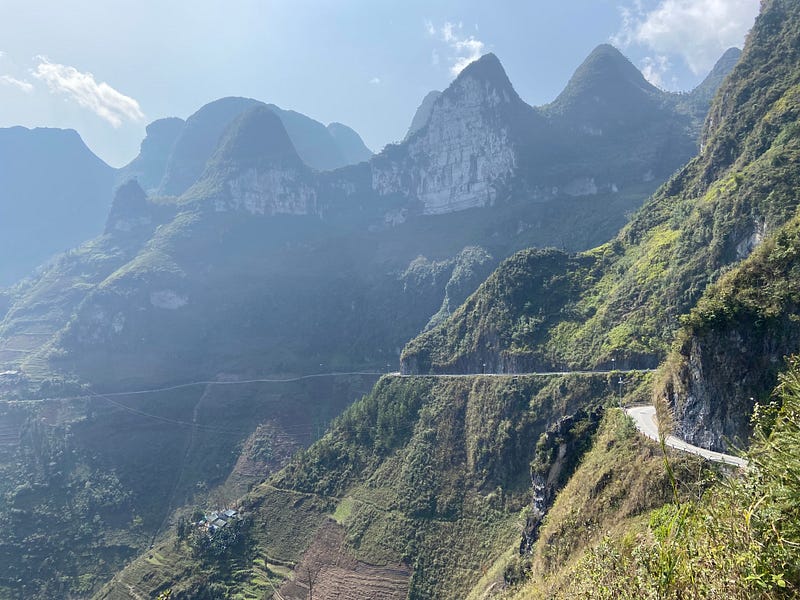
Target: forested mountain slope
(622,300)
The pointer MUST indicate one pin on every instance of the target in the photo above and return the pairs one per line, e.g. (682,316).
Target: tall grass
(741,540)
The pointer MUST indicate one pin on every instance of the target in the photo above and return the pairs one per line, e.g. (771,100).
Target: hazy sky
(109,67)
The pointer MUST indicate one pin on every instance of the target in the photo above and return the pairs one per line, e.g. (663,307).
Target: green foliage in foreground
(741,540)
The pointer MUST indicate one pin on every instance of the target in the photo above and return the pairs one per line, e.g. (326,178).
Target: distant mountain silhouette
(54,193)
(350,143)
(148,167)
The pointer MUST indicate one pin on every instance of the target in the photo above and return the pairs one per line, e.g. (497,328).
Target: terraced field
(332,572)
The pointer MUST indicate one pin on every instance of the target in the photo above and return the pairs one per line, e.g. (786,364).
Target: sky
(108,67)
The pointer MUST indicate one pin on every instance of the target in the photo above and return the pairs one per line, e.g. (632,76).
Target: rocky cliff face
(558,452)
(423,113)
(722,375)
(734,344)
(257,170)
(465,153)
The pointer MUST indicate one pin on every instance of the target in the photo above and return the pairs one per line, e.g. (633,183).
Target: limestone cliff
(734,344)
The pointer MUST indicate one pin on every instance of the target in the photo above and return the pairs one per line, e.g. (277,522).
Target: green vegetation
(623,300)
(740,539)
(87,483)
(416,474)
(428,479)
(70,522)
(737,336)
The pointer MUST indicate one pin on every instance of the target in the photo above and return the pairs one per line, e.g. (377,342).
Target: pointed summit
(257,138)
(423,113)
(708,88)
(256,170)
(468,145)
(606,89)
(606,63)
(128,208)
(487,67)
(491,78)
(197,141)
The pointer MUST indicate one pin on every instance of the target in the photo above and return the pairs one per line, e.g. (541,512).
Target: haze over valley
(261,360)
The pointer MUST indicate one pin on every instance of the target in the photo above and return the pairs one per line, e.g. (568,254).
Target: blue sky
(107,68)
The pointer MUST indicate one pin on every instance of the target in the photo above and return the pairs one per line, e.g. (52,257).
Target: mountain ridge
(197,290)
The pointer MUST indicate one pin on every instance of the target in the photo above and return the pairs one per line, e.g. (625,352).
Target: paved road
(535,373)
(645,419)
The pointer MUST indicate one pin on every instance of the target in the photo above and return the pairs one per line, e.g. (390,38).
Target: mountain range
(538,485)
(486,170)
(246,253)
(57,193)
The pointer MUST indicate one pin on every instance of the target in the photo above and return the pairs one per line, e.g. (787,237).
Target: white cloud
(464,49)
(100,98)
(375,81)
(655,69)
(697,30)
(23,86)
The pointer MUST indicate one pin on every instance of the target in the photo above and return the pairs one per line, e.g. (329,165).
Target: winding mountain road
(531,374)
(645,419)
(643,416)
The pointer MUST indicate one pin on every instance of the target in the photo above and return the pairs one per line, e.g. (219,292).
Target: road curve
(645,419)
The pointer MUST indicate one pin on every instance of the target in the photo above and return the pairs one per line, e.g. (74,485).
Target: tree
(311,573)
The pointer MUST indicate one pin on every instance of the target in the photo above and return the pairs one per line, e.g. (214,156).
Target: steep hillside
(704,93)
(734,342)
(604,497)
(422,479)
(625,300)
(54,194)
(737,540)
